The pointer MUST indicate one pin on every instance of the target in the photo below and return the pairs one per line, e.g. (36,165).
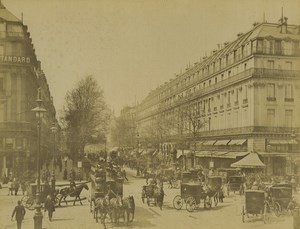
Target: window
(245,94)
(271,92)
(216,80)
(288,92)
(259,46)
(271,64)
(236,96)
(2,88)
(278,47)
(271,117)
(288,118)
(289,65)
(245,66)
(1,50)
(228,97)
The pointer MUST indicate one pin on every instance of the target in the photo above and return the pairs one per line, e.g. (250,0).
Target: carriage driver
(72,186)
(110,193)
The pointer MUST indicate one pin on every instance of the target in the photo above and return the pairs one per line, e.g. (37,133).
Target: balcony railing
(289,99)
(272,99)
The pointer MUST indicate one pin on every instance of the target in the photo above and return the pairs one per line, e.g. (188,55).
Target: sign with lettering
(15,59)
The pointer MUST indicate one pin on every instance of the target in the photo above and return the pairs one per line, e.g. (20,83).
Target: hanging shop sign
(15,59)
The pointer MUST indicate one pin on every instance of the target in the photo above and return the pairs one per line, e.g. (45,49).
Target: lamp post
(138,154)
(39,111)
(53,130)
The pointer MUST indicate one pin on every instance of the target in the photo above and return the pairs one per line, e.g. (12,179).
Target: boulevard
(225,215)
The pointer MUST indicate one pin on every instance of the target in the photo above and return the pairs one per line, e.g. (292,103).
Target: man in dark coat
(49,206)
(19,211)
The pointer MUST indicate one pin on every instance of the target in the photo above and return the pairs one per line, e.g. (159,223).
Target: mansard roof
(6,15)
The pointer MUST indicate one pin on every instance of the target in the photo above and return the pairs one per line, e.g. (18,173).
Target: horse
(102,207)
(128,208)
(65,192)
(116,208)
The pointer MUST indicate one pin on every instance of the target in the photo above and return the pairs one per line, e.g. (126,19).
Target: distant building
(246,95)
(20,77)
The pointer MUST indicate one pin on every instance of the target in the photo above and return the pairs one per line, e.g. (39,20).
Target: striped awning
(209,143)
(237,142)
(221,142)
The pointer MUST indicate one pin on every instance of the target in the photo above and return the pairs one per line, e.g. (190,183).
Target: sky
(133,46)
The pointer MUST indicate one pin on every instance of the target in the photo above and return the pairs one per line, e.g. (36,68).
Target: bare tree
(86,116)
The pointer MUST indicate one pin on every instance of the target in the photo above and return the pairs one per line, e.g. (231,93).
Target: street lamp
(53,130)
(39,111)
(138,154)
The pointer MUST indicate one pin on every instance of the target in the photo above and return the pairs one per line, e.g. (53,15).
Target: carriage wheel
(277,209)
(243,214)
(190,204)
(56,199)
(177,202)
(30,203)
(266,212)
(24,200)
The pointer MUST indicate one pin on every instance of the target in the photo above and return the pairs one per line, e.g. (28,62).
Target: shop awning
(237,142)
(221,142)
(283,142)
(250,161)
(209,143)
(235,154)
(204,153)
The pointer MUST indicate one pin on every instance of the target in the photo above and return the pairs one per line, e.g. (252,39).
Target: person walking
(49,206)
(10,187)
(20,212)
(16,186)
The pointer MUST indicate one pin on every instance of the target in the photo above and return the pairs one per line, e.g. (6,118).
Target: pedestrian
(294,184)
(20,212)
(65,177)
(49,206)
(10,187)
(16,186)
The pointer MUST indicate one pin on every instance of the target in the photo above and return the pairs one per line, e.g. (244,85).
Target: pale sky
(132,46)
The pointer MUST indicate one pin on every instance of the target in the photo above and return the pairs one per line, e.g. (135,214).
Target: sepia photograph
(150,114)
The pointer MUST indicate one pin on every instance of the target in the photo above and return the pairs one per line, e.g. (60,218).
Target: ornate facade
(243,97)
(20,77)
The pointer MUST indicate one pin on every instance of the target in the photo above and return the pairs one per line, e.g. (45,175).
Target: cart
(280,199)
(191,194)
(148,194)
(29,201)
(255,204)
(235,184)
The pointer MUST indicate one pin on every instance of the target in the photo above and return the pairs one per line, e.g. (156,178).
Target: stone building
(20,77)
(243,97)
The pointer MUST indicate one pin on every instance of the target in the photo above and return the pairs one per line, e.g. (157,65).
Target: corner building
(20,77)
(246,93)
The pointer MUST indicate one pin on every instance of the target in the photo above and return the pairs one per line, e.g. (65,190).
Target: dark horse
(128,208)
(65,192)
(159,194)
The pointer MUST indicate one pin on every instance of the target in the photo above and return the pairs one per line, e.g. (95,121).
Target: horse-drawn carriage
(192,194)
(153,194)
(255,204)
(235,184)
(29,200)
(280,199)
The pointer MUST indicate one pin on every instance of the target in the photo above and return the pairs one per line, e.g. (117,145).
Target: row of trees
(184,125)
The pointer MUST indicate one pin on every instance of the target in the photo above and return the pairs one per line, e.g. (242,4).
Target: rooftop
(5,15)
